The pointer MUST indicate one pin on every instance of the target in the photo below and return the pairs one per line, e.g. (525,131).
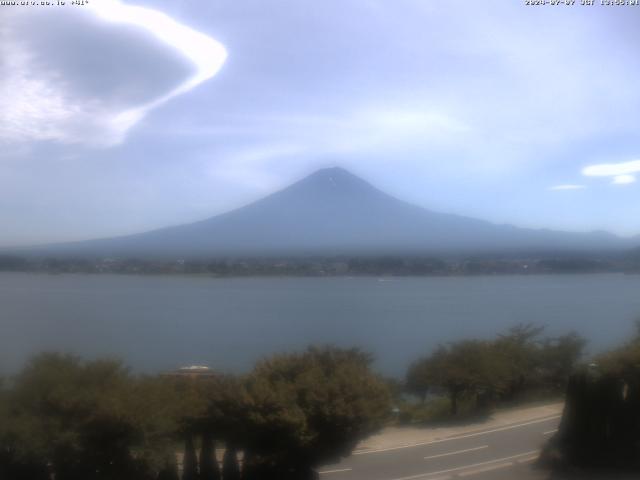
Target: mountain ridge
(333,212)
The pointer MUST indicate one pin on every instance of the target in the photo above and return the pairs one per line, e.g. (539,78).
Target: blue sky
(115,120)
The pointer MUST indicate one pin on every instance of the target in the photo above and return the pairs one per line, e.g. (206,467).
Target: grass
(437,410)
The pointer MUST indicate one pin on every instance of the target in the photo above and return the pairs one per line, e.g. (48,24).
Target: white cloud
(207,54)
(33,108)
(623,179)
(568,186)
(622,173)
(42,99)
(612,169)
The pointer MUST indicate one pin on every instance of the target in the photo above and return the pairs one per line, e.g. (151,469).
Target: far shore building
(192,371)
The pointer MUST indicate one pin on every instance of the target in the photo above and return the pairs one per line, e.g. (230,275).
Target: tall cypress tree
(169,472)
(190,460)
(230,467)
(249,467)
(209,468)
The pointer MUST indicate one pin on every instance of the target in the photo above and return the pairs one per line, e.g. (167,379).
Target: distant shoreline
(382,276)
(335,266)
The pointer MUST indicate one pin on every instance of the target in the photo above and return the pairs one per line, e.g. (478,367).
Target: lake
(158,323)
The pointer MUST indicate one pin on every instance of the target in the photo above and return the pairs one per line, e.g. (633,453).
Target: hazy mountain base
(329,213)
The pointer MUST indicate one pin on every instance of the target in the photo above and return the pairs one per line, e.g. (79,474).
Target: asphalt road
(500,453)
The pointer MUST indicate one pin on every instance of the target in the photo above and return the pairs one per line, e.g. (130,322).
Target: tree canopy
(515,362)
(94,420)
(313,407)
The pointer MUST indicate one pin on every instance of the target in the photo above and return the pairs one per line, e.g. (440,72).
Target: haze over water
(158,323)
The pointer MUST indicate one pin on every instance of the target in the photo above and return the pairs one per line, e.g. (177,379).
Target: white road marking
(338,470)
(497,461)
(549,432)
(459,437)
(486,468)
(457,452)
(528,459)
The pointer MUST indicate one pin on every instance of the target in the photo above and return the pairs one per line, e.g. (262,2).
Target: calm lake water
(157,323)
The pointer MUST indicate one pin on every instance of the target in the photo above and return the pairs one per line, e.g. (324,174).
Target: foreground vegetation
(68,419)
(600,428)
(476,375)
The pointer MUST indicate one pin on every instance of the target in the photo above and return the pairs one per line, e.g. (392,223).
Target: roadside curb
(488,428)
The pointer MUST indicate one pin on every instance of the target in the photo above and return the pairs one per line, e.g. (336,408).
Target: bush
(311,408)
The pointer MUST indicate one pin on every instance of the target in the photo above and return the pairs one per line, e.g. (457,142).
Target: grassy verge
(437,410)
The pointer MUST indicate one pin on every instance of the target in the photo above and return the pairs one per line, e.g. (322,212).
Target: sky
(121,117)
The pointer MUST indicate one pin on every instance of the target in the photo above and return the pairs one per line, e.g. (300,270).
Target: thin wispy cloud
(568,186)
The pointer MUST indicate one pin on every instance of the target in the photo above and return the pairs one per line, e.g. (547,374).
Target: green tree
(467,368)
(312,407)
(230,467)
(16,465)
(622,362)
(74,415)
(419,378)
(88,420)
(209,468)
(559,357)
(169,472)
(516,363)
(190,459)
(600,424)
(520,348)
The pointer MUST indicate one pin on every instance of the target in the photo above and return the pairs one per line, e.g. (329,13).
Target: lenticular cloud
(86,76)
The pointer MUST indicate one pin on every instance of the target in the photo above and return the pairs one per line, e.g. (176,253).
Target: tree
(79,420)
(625,360)
(419,378)
(230,467)
(73,415)
(312,407)
(15,464)
(520,349)
(559,358)
(86,420)
(467,367)
(190,459)
(517,362)
(209,468)
(169,472)
(600,425)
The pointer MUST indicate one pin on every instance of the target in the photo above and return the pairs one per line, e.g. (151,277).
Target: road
(497,453)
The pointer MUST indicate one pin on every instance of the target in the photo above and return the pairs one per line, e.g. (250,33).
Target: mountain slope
(334,212)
